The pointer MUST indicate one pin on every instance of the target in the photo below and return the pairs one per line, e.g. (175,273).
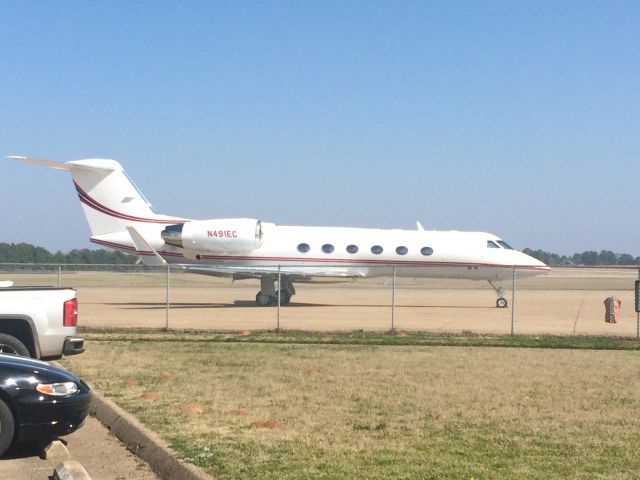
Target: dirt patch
(545,305)
(268,424)
(245,333)
(238,412)
(130,382)
(164,376)
(192,409)
(150,396)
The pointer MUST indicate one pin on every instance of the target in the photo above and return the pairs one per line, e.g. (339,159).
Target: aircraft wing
(298,274)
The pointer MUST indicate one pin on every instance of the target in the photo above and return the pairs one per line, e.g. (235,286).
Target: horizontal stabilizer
(147,253)
(81,164)
(42,163)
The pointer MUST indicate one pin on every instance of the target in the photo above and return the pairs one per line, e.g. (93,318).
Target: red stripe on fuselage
(97,206)
(337,262)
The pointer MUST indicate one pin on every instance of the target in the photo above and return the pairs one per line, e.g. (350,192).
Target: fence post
(278,292)
(393,301)
(513,302)
(638,316)
(166,320)
(59,275)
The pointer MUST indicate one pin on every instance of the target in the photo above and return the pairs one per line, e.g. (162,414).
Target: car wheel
(12,346)
(7,427)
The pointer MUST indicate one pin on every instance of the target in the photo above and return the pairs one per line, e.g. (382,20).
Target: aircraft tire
(263,300)
(285,298)
(501,303)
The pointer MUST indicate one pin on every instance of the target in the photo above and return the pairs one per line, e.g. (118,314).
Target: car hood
(22,367)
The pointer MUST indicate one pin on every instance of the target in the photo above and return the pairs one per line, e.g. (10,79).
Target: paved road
(101,454)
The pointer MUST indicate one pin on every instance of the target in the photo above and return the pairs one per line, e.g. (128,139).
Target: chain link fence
(567,301)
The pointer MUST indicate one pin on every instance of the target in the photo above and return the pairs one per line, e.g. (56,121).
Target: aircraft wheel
(285,298)
(264,300)
(501,303)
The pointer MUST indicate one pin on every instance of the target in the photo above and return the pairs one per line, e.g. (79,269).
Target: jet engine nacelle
(231,235)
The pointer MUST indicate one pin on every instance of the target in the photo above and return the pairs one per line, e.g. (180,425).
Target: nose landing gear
(501,302)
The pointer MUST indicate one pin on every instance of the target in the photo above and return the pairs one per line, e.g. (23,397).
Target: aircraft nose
(536,264)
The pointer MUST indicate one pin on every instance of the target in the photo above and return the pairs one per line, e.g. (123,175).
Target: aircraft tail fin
(110,200)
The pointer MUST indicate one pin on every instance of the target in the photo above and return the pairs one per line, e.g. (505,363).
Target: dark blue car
(38,401)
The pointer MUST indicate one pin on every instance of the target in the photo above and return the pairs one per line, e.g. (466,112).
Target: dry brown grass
(382,412)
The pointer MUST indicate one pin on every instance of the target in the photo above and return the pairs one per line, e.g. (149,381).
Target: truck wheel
(7,427)
(12,346)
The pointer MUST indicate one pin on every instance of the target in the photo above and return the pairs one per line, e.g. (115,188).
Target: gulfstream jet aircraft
(121,218)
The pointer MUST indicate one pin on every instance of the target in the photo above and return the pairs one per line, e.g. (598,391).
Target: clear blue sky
(517,118)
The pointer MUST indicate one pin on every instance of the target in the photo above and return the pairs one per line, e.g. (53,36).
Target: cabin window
(505,245)
(376,249)
(327,248)
(352,249)
(426,251)
(402,250)
(303,247)
(491,244)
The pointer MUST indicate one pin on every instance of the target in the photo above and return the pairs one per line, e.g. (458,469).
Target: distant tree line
(27,253)
(604,257)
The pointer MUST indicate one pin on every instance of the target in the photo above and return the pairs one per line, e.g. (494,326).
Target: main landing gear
(268,295)
(501,302)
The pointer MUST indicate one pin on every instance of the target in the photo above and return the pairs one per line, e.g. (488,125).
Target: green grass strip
(365,338)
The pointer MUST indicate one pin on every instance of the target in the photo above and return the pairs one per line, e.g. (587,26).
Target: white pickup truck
(39,322)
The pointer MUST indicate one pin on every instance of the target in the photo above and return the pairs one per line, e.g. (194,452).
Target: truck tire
(7,427)
(12,346)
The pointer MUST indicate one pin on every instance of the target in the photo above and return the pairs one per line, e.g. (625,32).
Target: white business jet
(121,218)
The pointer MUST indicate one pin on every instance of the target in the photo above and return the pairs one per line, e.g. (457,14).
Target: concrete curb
(143,442)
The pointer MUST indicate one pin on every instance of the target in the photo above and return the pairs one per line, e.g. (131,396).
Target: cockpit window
(505,245)
(491,244)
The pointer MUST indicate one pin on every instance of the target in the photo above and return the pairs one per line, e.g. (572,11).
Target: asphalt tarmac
(100,453)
